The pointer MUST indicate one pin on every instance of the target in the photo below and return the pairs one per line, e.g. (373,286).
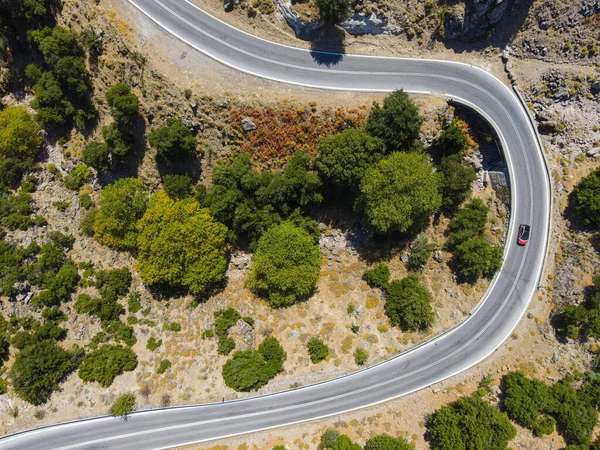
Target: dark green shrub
(334,11)
(177,186)
(85,201)
(344,158)
(378,276)
(408,304)
(585,199)
(37,370)
(317,350)
(252,369)
(133,303)
(106,363)
(457,175)
(173,140)
(387,442)
(96,155)
(153,344)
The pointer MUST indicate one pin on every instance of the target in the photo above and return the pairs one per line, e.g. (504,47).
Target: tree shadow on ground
(499,35)
(326,45)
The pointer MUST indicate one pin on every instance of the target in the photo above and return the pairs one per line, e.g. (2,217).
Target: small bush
(378,276)
(96,155)
(133,303)
(163,366)
(78,177)
(420,252)
(85,201)
(317,350)
(408,304)
(123,405)
(173,326)
(153,344)
(361,356)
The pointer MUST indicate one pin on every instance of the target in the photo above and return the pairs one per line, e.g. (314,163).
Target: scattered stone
(438,256)
(248,124)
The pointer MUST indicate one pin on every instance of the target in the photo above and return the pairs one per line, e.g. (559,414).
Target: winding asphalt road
(451,353)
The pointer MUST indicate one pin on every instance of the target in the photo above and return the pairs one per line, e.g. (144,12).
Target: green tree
(19,134)
(120,207)
(408,304)
(286,265)
(344,158)
(467,223)
(106,363)
(180,245)
(96,155)
(456,178)
(78,177)
(173,140)
(317,349)
(469,423)
(585,199)
(37,370)
(398,122)
(124,105)
(387,442)
(334,10)
(123,405)
(477,258)
(378,276)
(400,193)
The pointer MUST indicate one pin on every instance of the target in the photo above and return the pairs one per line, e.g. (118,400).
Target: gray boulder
(248,124)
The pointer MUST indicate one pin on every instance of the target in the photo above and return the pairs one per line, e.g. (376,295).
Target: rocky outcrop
(358,24)
(476,18)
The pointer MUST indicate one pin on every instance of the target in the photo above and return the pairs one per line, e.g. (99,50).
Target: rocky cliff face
(475,18)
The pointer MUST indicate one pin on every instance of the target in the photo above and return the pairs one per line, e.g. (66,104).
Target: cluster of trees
(61,84)
(111,285)
(539,407)
(474,256)
(252,369)
(408,302)
(249,202)
(332,440)
(40,364)
(469,423)
(583,321)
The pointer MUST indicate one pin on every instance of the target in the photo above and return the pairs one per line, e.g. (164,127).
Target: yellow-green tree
(180,245)
(19,133)
(400,193)
(121,205)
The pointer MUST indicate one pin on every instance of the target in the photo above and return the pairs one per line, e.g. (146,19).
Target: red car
(523,236)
